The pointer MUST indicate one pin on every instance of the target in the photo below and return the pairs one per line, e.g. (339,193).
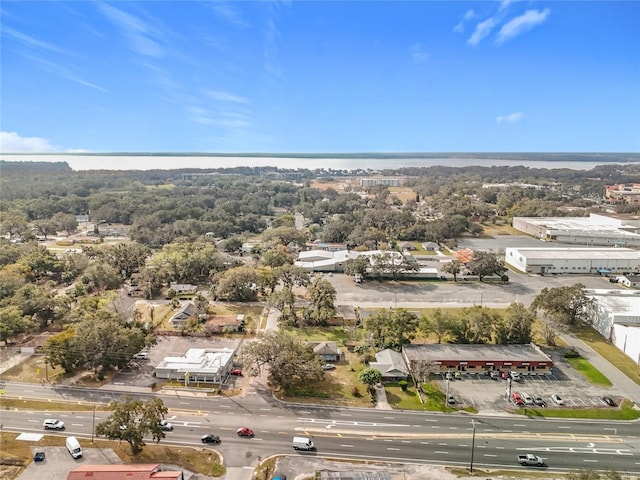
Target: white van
(303,443)
(73,445)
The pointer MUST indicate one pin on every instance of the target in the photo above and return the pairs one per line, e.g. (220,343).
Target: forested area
(192,231)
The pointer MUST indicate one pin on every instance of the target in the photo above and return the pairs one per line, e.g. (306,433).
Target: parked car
(236,371)
(539,402)
(328,366)
(166,426)
(528,399)
(451,400)
(516,399)
(244,432)
(494,375)
(53,424)
(515,376)
(210,438)
(141,356)
(609,401)
(557,400)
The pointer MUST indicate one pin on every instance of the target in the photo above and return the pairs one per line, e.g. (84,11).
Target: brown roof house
(328,351)
(224,323)
(390,364)
(125,472)
(182,316)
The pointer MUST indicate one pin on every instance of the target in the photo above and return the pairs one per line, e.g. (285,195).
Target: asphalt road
(394,436)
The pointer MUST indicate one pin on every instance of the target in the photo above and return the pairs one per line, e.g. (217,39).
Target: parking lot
(487,394)
(58,463)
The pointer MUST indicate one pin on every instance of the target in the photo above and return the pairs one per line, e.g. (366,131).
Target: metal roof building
(573,260)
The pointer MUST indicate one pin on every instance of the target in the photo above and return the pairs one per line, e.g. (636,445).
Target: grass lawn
(613,355)
(19,404)
(337,386)
(491,230)
(197,460)
(316,334)
(409,399)
(33,370)
(625,412)
(590,372)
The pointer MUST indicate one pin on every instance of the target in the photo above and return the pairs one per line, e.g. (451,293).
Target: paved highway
(400,436)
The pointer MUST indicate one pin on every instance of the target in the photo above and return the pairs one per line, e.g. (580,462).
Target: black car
(609,401)
(539,402)
(210,438)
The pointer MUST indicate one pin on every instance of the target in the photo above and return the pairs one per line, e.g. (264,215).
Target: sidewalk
(627,387)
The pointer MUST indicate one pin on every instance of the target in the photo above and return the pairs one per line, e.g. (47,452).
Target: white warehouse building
(612,230)
(573,260)
(617,317)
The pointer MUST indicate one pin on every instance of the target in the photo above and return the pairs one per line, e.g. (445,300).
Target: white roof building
(604,230)
(573,260)
(197,364)
(617,317)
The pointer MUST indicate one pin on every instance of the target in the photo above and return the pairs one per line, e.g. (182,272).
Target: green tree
(437,323)
(453,267)
(13,322)
(284,300)
(392,264)
(291,275)
(484,264)
(65,221)
(276,256)
(568,305)
(37,302)
(45,227)
(514,327)
(60,350)
(321,295)
(370,376)
(131,419)
(474,325)
(357,266)
(291,362)
(238,284)
(101,276)
(391,328)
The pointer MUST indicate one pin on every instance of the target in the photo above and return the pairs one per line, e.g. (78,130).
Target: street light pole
(93,422)
(473,444)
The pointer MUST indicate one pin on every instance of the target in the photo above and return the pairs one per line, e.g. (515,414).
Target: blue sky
(301,76)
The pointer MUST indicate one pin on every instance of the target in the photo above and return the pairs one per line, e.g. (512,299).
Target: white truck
(73,446)
(530,460)
(303,443)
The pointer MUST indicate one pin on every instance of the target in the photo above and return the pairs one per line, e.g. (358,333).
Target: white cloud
(482,30)
(228,13)
(142,37)
(469,15)
(222,96)
(522,24)
(11,142)
(505,3)
(32,42)
(511,118)
(418,53)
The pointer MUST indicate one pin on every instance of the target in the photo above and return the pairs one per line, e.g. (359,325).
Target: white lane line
(519,425)
(435,426)
(453,428)
(184,403)
(387,440)
(225,406)
(439,452)
(424,443)
(481,446)
(347,446)
(564,426)
(396,449)
(389,418)
(443,444)
(490,455)
(265,409)
(33,421)
(405,441)
(77,424)
(463,445)
(500,448)
(592,461)
(430,420)
(345,414)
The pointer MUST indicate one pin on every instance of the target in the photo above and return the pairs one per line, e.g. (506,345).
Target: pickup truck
(530,460)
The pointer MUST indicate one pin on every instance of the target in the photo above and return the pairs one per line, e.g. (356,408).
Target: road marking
(347,446)
(345,414)
(500,448)
(462,445)
(424,443)
(184,403)
(435,426)
(390,448)
(77,424)
(34,421)
(225,406)
(490,455)
(482,446)
(440,452)
(442,444)
(519,425)
(265,409)
(389,418)
(592,461)
(453,428)
(406,441)
(564,426)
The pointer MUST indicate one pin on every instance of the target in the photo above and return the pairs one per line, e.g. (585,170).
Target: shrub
(403,385)
(355,392)
(573,353)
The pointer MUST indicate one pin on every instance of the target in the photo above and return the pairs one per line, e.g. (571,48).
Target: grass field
(625,412)
(590,372)
(409,399)
(613,355)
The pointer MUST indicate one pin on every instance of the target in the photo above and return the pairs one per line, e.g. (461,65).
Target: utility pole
(93,422)
(473,444)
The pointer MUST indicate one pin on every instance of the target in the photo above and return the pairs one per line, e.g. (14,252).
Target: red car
(236,371)
(244,432)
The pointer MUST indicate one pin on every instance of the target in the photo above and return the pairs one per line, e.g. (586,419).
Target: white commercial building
(603,230)
(197,365)
(573,260)
(617,317)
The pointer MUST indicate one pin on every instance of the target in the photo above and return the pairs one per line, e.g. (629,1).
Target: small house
(391,365)
(327,351)
(186,312)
